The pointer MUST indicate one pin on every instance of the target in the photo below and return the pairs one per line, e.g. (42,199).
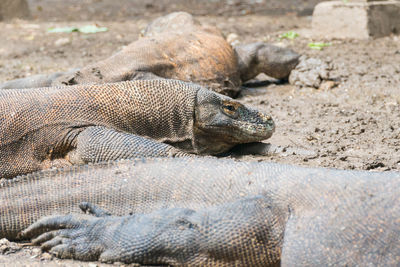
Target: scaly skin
(60,126)
(177,46)
(208,212)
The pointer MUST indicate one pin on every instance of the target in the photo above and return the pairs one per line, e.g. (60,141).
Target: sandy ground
(354,125)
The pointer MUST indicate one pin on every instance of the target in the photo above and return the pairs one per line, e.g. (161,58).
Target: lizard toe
(46,237)
(85,248)
(63,251)
(57,222)
(109,256)
(58,240)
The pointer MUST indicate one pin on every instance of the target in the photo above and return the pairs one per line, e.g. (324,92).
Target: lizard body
(58,126)
(208,212)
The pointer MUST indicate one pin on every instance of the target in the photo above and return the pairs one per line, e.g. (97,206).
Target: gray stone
(7,247)
(358,20)
(310,72)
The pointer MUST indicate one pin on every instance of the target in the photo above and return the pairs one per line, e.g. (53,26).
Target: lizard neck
(159,109)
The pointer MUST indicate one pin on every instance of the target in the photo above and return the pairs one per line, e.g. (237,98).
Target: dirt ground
(354,125)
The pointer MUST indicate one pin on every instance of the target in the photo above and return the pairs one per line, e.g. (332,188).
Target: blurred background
(128,9)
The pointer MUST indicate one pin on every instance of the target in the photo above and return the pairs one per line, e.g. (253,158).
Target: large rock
(356,19)
(13,9)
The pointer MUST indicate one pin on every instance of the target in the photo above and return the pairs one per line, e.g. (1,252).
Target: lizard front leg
(247,232)
(97,143)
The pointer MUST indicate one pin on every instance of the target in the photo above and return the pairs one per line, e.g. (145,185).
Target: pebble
(7,247)
(233,39)
(62,41)
(47,256)
(36,251)
(327,85)
(281,44)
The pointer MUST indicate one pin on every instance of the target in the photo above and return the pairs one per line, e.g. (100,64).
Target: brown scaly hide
(158,52)
(39,127)
(46,127)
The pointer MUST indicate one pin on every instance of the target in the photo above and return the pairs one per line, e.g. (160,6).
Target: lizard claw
(94,210)
(69,236)
(56,222)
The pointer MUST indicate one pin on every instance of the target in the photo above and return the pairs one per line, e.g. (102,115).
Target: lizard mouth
(240,130)
(259,131)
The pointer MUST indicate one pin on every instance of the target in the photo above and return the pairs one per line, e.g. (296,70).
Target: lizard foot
(139,238)
(72,236)
(232,233)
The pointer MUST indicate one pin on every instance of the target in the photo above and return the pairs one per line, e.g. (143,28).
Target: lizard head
(222,122)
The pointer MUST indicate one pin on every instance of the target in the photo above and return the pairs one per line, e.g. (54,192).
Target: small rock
(311,138)
(281,44)
(36,251)
(310,72)
(47,256)
(62,41)
(92,265)
(7,247)
(233,39)
(327,85)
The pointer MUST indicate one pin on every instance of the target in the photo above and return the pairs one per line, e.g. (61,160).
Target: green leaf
(83,29)
(62,29)
(318,45)
(92,29)
(289,35)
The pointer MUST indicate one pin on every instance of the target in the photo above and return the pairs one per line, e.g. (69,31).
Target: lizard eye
(229,107)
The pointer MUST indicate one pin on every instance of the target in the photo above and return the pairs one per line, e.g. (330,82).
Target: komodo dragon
(177,46)
(209,212)
(58,126)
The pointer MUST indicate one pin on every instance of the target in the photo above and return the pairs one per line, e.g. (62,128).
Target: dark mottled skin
(59,126)
(177,46)
(209,212)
